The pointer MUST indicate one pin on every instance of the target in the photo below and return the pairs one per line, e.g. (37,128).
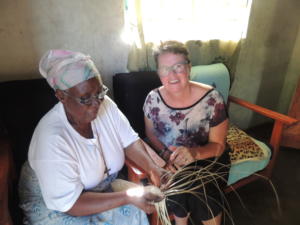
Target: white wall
(291,78)
(29,28)
(265,58)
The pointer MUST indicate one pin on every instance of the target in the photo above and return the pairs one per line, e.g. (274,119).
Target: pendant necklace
(106,171)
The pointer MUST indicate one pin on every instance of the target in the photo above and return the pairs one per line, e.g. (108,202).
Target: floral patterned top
(187,126)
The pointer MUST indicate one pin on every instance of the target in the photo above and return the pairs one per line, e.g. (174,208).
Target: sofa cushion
(216,75)
(243,147)
(23,104)
(130,91)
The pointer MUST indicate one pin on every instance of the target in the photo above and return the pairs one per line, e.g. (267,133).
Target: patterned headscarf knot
(64,69)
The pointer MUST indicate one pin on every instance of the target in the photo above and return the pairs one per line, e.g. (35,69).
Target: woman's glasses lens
(177,68)
(100,96)
(89,101)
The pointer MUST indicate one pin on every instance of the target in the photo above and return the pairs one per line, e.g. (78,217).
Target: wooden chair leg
(155,219)
(5,181)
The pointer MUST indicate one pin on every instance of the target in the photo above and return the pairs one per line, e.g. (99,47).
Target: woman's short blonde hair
(174,47)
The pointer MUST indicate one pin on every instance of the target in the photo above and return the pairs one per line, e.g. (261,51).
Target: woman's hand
(144,197)
(153,194)
(159,176)
(181,156)
(143,203)
(170,167)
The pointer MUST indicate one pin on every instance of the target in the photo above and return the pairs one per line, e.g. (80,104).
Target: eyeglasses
(89,101)
(177,68)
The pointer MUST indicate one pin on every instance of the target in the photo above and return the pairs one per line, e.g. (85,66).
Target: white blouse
(67,163)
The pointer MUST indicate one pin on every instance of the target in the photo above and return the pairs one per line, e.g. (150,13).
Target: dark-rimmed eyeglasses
(177,68)
(89,100)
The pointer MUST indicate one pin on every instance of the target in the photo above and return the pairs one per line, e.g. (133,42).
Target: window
(183,20)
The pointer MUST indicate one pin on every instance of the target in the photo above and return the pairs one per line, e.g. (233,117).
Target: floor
(259,206)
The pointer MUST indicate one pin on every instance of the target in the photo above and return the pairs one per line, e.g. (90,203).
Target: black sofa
(130,91)
(23,103)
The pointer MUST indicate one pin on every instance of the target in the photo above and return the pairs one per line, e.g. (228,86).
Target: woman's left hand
(181,156)
(159,176)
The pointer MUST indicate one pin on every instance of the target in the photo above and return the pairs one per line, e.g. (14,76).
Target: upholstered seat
(217,75)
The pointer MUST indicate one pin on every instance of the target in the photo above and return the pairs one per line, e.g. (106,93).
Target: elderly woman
(77,149)
(186,122)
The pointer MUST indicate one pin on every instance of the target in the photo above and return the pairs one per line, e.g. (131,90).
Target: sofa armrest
(261,110)
(6,176)
(280,121)
(135,173)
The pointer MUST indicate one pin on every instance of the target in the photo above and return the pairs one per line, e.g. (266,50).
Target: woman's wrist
(197,153)
(165,153)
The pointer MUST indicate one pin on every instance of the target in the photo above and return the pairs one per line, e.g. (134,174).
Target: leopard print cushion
(243,148)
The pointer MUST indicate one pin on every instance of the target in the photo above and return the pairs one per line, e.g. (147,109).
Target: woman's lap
(36,212)
(207,203)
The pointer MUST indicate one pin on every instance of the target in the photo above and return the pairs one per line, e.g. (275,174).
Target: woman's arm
(94,202)
(137,153)
(91,202)
(216,142)
(160,148)
(150,135)
(215,147)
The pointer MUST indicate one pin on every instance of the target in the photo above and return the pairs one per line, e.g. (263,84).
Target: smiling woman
(186,122)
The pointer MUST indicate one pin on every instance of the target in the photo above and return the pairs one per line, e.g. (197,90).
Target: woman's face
(74,100)
(174,71)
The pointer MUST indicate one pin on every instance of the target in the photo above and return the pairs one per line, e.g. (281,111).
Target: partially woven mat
(243,148)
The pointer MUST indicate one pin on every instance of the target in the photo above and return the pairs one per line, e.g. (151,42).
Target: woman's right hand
(142,203)
(144,197)
(181,156)
(169,166)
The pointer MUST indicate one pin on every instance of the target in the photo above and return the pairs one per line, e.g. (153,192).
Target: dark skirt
(207,200)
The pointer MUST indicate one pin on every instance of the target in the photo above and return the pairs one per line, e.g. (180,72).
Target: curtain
(211,29)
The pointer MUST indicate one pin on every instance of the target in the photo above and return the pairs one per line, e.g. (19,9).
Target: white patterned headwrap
(64,69)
